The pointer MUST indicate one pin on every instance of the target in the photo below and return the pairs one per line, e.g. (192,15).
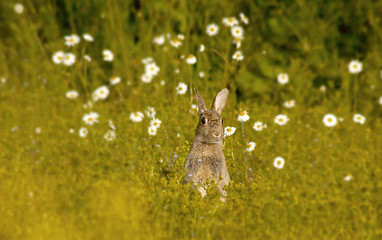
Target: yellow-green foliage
(56,185)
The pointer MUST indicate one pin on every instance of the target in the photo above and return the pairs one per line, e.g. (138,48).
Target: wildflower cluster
(151,70)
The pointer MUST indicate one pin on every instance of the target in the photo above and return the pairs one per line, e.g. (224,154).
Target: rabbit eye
(222,120)
(203,120)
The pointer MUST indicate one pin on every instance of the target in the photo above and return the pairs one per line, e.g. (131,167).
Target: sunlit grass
(55,184)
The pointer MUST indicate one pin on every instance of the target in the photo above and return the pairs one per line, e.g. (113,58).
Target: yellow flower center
(155,124)
(278,162)
(249,146)
(136,114)
(359,118)
(230,20)
(191,56)
(281,120)
(102,92)
(237,55)
(71,40)
(152,68)
(283,77)
(59,58)
(212,29)
(237,40)
(90,119)
(175,41)
(106,55)
(67,57)
(242,113)
(229,130)
(355,66)
(180,88)
(237,31)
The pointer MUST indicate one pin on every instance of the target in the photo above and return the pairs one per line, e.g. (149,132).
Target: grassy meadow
(118,180)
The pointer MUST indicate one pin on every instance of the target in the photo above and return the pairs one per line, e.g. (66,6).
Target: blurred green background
(56,185)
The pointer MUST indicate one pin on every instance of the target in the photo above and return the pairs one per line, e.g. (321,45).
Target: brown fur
(206,157)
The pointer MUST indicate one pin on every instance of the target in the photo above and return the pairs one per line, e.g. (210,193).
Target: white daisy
(348,177)
(237,41)
(71,131)
(69,59)
(88,37)
(111,125)
(358,118)
(72,40)
(181,88)
(152,130)
(250,146)
(228,131)
(159,40)
(90,118)
(152,69)
(88,58)
(37,130)
(201,49)
(147,60)
(107,55)
(175,43)
(155,122)
(115,80)
(237,32)
(194,108)
(202,74)
(330,120)
(191,59)
(323,88)
(380,100)
(355,67)
(110,135)
(150,112)
(283,78)
(258,126)
(180,37)
(238,55)
(289,104)
(230,22)
(101,93)
(243,116)
(162,82)
(281,119)
(83,132)
(72,94)
(136,116)
(19,8)
(146,78)
(279,162)
(243,18)
(58,57)
(212,29)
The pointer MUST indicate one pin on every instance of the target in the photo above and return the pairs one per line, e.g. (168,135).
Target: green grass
(56,185)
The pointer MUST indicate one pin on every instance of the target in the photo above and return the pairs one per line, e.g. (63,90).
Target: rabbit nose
(216,134)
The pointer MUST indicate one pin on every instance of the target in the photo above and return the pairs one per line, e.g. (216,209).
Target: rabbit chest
(206,161)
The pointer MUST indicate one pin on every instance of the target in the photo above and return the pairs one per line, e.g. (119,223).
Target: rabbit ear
(220,100)
(201,105)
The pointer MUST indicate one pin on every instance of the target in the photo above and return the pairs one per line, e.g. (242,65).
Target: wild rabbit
(206,157)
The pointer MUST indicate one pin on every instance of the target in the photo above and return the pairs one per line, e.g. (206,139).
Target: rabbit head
(210,128)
